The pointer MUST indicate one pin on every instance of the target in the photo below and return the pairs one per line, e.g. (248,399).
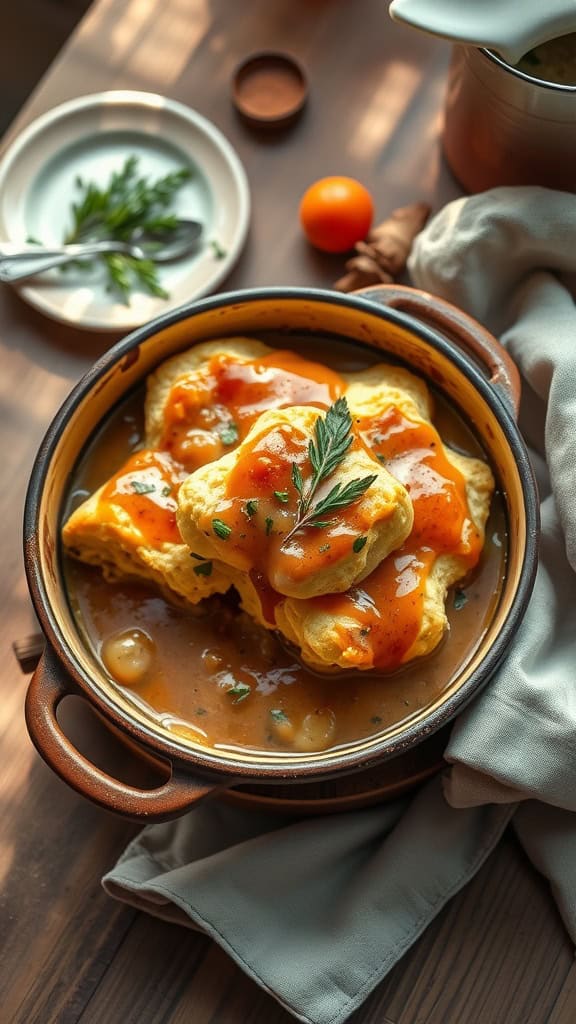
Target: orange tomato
(335,213)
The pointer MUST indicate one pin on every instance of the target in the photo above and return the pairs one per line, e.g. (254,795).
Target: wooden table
(498,953)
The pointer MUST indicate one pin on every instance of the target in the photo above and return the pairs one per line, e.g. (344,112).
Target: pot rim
(495,58)
(208,760)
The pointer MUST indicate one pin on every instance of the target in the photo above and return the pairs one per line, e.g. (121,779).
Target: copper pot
(431,336)
(504,127)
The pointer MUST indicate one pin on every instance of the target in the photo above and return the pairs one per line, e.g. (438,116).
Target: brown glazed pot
(435,339)
(504,127)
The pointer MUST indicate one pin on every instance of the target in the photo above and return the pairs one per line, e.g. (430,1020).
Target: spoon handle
(21,264)
(75,250)
(18,269)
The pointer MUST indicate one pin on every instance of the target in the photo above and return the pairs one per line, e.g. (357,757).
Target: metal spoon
(496,24)
(20,261)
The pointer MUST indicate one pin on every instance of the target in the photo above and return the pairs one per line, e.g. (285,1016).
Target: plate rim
(151,101)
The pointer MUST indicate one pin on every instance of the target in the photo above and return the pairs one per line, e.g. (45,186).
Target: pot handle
(175,796)
(466,332)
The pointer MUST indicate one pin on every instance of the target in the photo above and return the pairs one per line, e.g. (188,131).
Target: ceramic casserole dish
(429,336)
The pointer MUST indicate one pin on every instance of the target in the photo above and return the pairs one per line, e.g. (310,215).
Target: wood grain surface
(498,953)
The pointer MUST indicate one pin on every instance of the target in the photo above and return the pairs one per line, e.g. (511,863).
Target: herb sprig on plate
(332,439)
(129,202)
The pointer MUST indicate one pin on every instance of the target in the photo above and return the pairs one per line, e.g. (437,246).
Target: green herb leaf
(282,496)
(343,495)
(200,712)
(139,487)
(127,204)
(297,479)
(166,491)
(203,569)
(221,529)
(278,716)
(359,544)
(376,720)
(460,599)
(239,691)
(251,507)
(332,439)
(323,548)
(229,433)
(269,525)
(219,251)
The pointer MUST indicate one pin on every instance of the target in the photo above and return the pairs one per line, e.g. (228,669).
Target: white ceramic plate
(90,137)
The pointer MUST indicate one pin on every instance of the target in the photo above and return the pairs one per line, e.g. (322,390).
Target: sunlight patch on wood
(389,103)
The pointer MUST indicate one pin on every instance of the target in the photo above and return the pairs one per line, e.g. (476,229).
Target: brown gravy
(200,652)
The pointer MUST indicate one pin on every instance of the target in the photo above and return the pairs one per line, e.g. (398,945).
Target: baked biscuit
(201,403)
(383,385)
(198,405)
(242,510)
(398,612)
(128,528)
(185,369)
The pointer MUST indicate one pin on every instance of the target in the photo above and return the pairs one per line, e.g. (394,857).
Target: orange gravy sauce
(387,606)
(200,653)
(207,418)
(146,488)
(261,506)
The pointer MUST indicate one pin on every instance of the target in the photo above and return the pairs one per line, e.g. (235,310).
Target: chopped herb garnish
(229,433)
(221,529)
(219,251)
(382,459)
(365,631)
(141,488)
(200,712)
(282,496)
(460,599)
(239,692)
(269,525)
(279,716)
(166,490)
(203,569)
(251,507)
(359,544)
(376,720)
(332,439)
(323,548)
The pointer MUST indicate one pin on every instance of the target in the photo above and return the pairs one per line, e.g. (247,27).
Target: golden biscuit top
(202,403)
(352,564)
(270,510)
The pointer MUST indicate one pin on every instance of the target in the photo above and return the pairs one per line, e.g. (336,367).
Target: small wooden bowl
(269,90)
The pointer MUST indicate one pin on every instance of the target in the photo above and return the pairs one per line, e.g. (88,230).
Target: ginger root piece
(382,257)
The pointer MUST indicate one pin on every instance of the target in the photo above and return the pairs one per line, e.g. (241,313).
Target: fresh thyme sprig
(128,203)
(332,439)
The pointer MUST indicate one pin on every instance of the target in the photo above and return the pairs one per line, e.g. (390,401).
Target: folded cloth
(318,911)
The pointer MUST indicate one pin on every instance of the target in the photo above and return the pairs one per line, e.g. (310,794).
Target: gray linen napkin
(318,911)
